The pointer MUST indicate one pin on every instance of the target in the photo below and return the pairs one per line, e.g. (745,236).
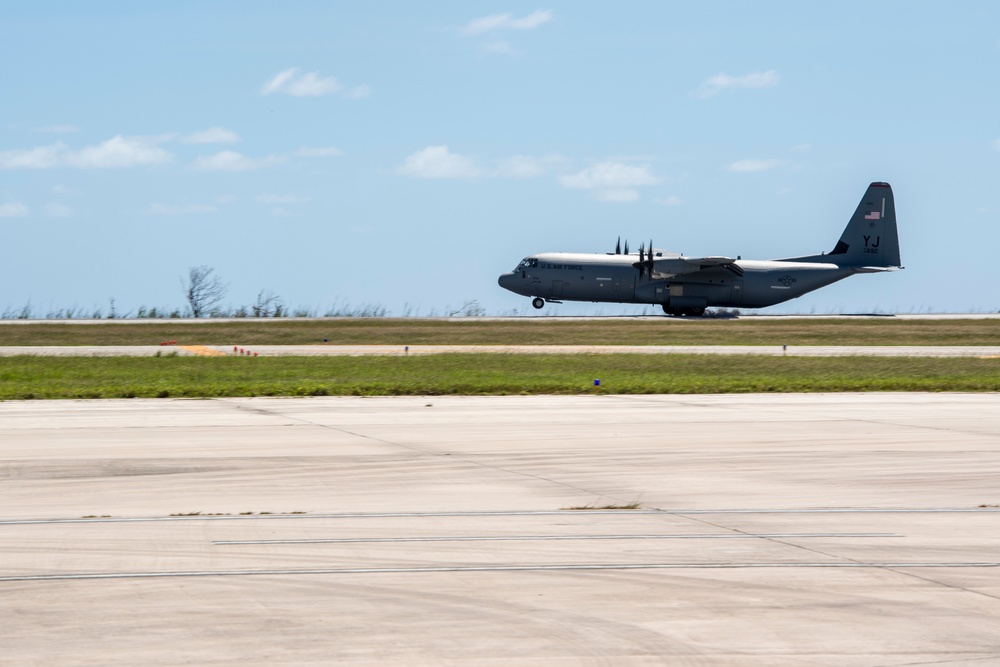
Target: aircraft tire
(672,311)
(694,312)
(537,302)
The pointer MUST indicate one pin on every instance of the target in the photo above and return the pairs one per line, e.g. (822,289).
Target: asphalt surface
(841,530)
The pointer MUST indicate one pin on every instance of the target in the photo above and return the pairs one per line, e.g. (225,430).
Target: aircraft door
(736,294)
(557,289)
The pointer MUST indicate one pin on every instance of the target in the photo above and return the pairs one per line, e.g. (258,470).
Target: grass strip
(522,331)
(28,377)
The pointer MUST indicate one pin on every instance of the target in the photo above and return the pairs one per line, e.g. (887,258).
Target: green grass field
(522,331)
(26,377)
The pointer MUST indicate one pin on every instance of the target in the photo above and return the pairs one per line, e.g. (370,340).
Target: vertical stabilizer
(870,238)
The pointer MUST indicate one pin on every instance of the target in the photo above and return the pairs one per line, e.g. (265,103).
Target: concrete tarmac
(840,530)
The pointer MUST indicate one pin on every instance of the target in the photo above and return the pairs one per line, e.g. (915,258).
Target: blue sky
(405,154)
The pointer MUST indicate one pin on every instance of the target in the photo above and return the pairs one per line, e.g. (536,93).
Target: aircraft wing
(674,266)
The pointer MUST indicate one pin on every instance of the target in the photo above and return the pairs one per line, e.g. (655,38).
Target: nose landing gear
(538,302)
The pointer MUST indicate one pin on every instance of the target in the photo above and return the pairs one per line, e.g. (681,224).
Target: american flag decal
(874,215)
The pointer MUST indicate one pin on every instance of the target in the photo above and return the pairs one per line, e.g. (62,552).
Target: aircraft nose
(506,281)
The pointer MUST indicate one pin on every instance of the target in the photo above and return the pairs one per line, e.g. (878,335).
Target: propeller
(618,246)
(645,262)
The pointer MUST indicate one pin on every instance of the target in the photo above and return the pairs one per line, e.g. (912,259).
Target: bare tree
(469,309)
(203,289)
(268,304)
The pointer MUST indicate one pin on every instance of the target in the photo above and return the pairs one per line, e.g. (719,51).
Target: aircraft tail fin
(870,238)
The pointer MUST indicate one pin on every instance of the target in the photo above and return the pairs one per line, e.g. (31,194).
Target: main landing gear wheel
(538,302)
(690,312)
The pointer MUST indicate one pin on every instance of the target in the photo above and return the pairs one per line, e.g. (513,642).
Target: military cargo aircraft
(685,285)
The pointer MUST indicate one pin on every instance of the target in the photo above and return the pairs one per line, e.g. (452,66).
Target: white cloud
(280,199)
(532,20)
(310,84)
(714,85)
(120,152)
(672,200)
(526,166)
(996,144)
(276,82)
(213,135)
(233,161)
(172,210)
(611,181)
(492,22)
(41,157)
(13,210)
(117,152)
(439,162)
(359,92)
(610,175)
(329,151)
(54,210)
(63,190)
(750,165)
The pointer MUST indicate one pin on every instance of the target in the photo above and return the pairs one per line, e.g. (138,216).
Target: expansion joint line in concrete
(546,538)
(434,569)
(676,400)
(435,454)
(503,513)
(847,559)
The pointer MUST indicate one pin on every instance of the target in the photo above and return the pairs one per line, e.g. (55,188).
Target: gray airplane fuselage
(685,285)
(612,278)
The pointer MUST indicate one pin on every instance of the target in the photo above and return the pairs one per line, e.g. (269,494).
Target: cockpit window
(527,263)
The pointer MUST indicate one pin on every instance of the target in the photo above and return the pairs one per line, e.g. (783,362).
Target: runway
(841,530)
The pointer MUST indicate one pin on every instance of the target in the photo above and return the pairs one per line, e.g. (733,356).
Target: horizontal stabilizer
(876,269)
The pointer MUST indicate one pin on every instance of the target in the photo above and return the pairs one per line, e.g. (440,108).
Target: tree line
(204,292)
